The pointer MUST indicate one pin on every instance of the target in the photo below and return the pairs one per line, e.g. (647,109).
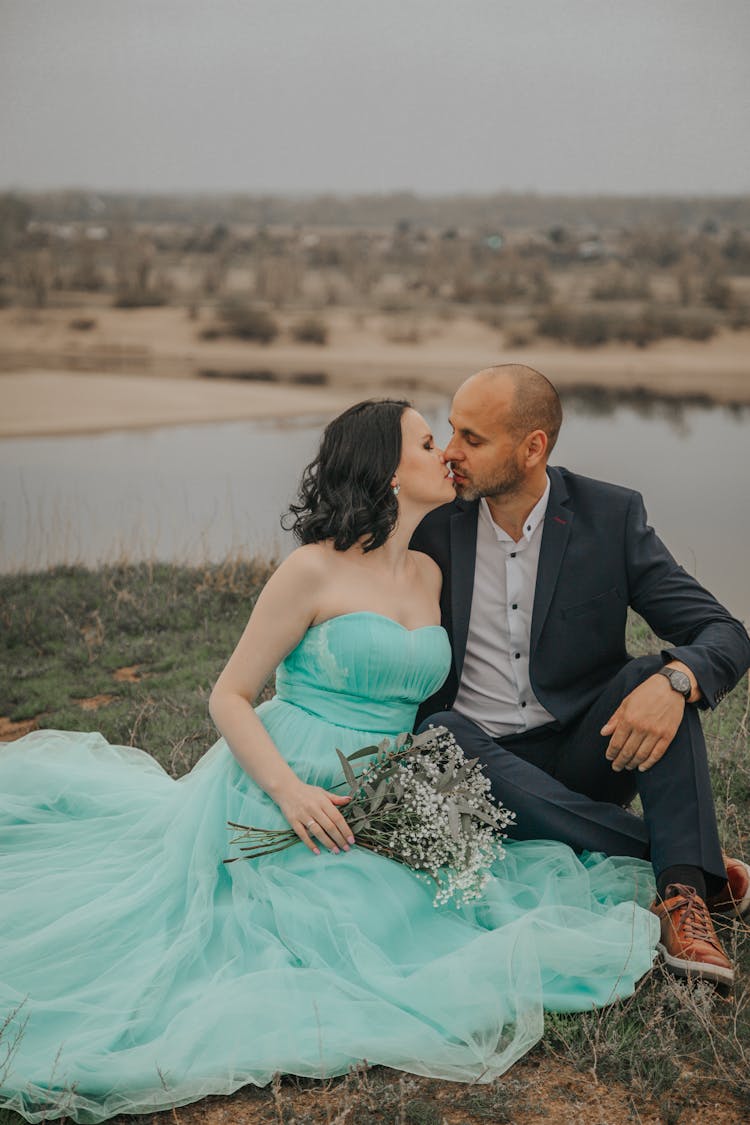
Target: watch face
(680,681)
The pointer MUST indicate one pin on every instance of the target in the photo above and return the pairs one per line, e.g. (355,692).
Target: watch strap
(669,674)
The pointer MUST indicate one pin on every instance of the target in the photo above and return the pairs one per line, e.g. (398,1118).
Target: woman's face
(422,472)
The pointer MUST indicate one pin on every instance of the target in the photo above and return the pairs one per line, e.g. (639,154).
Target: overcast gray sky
(376,95)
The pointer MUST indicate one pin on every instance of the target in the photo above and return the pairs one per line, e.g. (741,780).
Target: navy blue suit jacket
(598,556)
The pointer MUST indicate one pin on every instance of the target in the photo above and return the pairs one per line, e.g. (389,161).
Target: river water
(194,493)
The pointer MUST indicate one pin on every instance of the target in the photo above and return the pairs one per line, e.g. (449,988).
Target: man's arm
(710,646)
(713,646)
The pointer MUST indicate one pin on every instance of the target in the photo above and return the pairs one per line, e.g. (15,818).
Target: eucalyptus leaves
(418,801)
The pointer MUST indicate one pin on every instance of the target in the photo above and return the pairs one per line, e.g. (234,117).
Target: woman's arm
(282,614)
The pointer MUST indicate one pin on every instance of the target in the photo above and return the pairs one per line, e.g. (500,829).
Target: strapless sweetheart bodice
(365,671)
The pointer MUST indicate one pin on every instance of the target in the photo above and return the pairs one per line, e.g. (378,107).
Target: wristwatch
(680,681)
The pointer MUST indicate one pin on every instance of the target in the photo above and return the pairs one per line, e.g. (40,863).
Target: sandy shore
(143,368)
(38,403)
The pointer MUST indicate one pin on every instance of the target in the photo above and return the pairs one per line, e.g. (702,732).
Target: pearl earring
(395,489)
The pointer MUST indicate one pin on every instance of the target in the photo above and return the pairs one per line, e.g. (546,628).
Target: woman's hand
(314,815)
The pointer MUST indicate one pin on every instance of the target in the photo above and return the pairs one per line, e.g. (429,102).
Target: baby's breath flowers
(418,801)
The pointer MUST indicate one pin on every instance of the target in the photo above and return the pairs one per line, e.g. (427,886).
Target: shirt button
(515,605)
(512,554)
(523,704)
(517,655)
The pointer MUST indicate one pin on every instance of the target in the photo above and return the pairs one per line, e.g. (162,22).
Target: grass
(153,637)
(133,651)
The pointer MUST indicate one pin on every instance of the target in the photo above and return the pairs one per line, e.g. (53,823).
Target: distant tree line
(503,210)
(577,281)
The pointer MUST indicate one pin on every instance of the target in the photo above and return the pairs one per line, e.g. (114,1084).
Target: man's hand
(644,725)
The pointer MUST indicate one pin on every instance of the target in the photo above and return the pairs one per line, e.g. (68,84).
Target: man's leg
(680,818)
(545,808)
(563,787)
(676,793)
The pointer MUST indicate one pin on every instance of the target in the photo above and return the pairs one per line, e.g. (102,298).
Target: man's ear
(536,448)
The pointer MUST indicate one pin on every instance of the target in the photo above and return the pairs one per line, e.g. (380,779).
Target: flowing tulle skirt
(138,971)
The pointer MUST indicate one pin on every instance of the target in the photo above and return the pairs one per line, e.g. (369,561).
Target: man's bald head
(534,404)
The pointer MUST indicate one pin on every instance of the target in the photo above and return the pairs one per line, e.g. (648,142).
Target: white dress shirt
(495,690)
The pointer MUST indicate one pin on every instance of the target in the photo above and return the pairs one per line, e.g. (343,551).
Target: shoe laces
(695,922)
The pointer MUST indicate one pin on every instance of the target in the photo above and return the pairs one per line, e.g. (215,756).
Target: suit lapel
(463,532)
(555,534)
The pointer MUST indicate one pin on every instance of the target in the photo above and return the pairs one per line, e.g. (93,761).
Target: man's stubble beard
(509,480)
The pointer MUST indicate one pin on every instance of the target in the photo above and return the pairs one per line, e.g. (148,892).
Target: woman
(149,973)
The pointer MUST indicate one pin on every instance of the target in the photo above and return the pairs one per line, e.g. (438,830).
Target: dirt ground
(121,371)
(536,1091)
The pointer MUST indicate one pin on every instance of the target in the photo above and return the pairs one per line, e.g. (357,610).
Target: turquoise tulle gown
(145,973)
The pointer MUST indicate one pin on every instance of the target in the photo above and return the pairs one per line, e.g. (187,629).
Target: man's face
(486,457)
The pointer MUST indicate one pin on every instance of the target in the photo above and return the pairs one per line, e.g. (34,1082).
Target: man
(539,568)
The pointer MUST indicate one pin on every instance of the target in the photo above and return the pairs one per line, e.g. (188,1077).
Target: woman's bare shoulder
(428,570)
(309,563)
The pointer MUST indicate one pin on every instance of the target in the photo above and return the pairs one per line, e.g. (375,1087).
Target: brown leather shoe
(735,897)
(689,945)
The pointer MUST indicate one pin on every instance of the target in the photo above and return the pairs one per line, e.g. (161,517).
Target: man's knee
(452,720)
(638,670)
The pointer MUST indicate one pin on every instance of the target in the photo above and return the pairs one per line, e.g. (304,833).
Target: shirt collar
(534,518)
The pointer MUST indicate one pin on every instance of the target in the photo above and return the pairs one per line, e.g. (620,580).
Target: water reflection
(676,412)
(194,493)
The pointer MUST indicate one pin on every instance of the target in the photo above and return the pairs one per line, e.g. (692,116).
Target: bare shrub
(590,328)
(403,331)
(686,276)
(740,318)
(661,246)
(215,273)
(541,288)
(135,288)
(520,335)
(583,330)
(139,299)
(717,292)
(86,273)
(690,324)
(395,305)
(82,323)
(246,321)
(34,274)
(736,250)
(278,279)
(693,326)
(311,330)
(618,284)
(492,318)
(15,214)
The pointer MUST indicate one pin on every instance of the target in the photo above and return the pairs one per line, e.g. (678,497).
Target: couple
(138,972)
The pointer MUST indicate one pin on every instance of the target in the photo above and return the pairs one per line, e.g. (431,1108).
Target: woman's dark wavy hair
(345,493)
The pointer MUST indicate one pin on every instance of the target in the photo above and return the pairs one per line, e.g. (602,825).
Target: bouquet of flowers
(418,801)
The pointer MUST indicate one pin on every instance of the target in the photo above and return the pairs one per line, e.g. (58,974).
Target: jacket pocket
(596,604)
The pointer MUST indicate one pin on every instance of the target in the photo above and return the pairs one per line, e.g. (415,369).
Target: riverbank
(152,367)
(54,403)
(105,650)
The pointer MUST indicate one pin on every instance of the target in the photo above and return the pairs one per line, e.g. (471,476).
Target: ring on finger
(309,824)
